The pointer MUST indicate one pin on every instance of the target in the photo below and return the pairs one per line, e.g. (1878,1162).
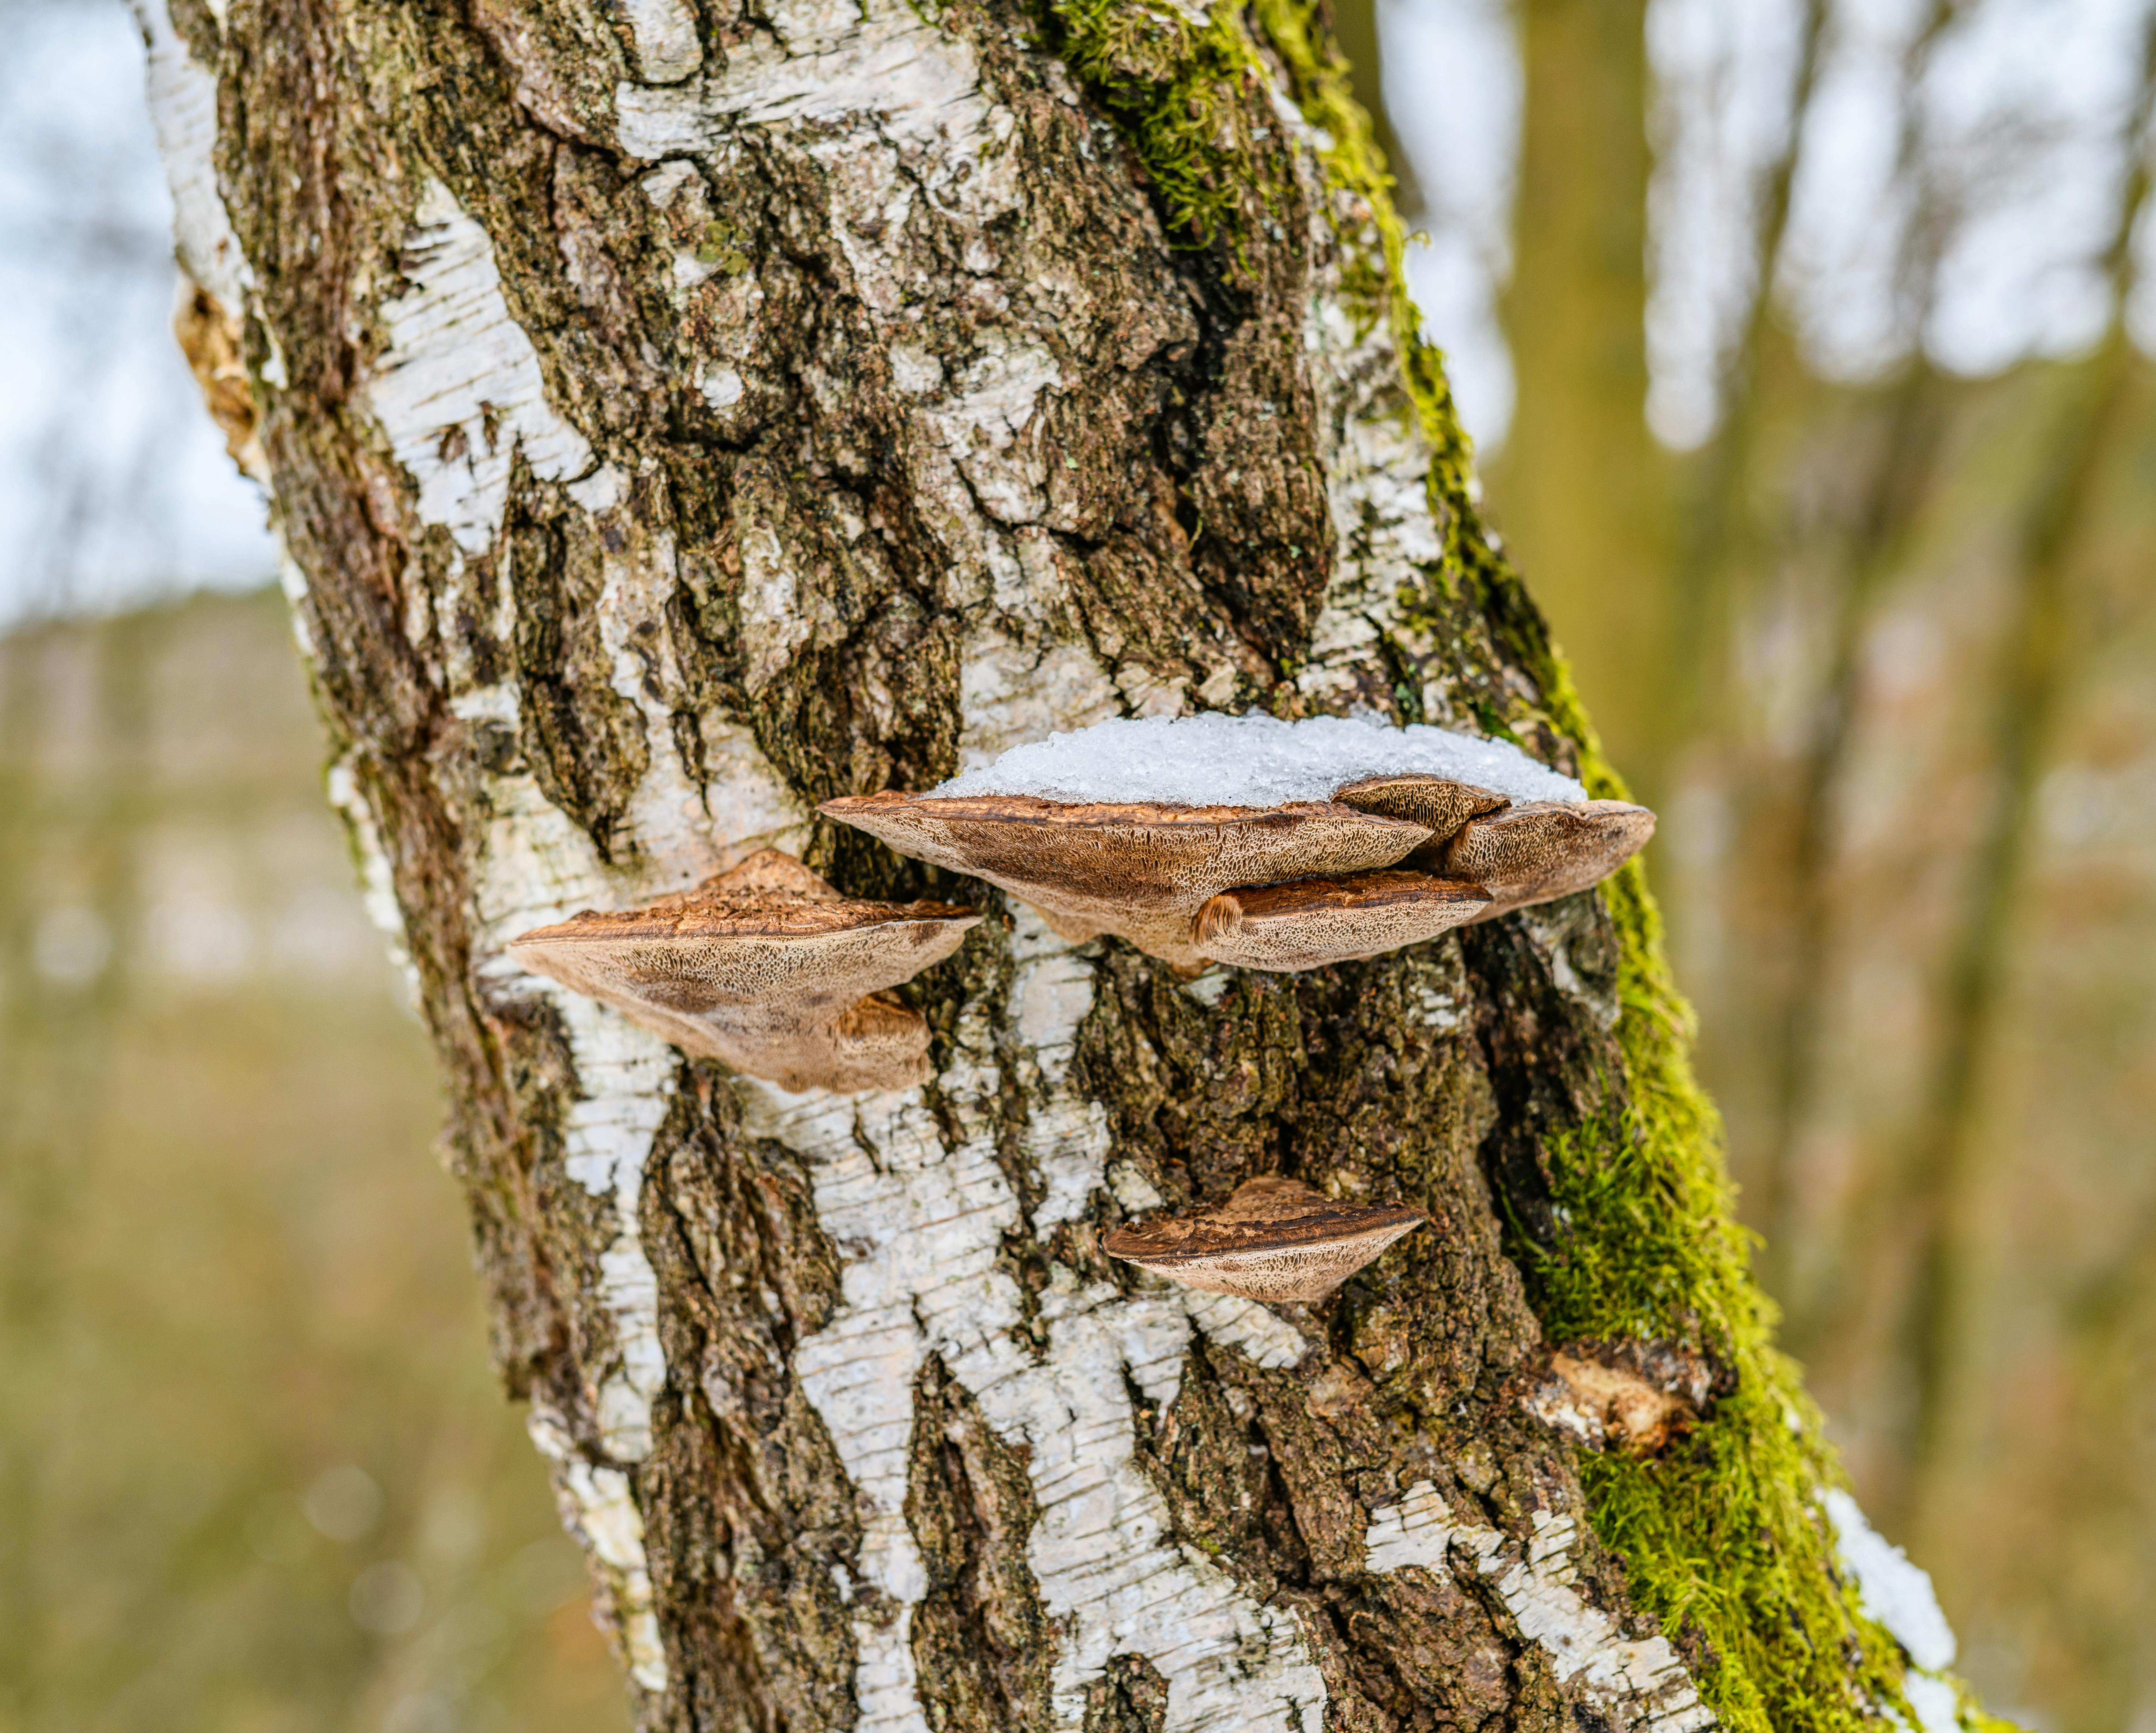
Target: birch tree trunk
(677,414)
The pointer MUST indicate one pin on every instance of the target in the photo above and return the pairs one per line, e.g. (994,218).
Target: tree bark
(677,415)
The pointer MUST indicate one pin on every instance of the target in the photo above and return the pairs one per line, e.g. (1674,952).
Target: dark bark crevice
(982,1640)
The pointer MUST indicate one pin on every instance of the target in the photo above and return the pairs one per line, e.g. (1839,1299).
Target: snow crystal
(1938,1709)
(1255,761)
(1890,1589)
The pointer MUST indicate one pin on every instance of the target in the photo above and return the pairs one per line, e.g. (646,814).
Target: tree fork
(677,416)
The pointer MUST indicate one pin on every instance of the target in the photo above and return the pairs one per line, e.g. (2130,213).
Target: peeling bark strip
(679,417)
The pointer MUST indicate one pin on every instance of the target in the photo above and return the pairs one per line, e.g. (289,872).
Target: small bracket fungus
(767,968)
(1540,852)
(1262,843)
(1307,923)
(1275,1240)
(1437,801)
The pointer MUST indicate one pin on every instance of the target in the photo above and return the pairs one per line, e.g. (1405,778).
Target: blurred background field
(1805,346)
(255,1473)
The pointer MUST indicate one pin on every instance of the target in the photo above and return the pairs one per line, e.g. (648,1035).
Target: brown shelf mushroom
(1308,923)
(1276,1240)
(1438,801)
(1546,850)
(767,968)
(1388,861)
(1141,872)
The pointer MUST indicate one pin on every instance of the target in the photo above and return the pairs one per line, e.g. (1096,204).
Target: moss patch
(1190,97)
(1722,1542)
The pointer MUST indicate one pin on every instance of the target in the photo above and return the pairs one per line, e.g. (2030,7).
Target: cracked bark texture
(677,414)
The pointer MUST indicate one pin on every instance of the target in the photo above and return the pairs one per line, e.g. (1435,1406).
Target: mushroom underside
(767,969)
(1309,923)
(1140,871)
(1275,1240)
(875,1043)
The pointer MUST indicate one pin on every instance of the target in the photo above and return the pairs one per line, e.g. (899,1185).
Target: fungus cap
(1140,871)
(1547,849)
(1275,1240)
(767,968)
(1308,923)
(1438,801)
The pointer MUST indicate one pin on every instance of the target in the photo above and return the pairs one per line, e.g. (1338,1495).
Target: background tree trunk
(1587,504)
(679,415)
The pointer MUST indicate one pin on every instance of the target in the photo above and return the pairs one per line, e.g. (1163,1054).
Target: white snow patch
(460,390)
(923,1220)
(1890,1588)
(1253,761)
(1584,1645)
(1939,1708)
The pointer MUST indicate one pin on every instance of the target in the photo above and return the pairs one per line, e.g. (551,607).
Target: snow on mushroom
(1259,842)
(767,968)
(1275,1240)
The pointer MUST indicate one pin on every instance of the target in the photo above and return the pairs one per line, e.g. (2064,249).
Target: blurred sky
(2018,126)
(114,489)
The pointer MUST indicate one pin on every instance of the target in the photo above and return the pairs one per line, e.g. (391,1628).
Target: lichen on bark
(680,416)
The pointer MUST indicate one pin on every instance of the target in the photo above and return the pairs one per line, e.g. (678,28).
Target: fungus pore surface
(1257,843)
(1310,922)
(1275,1240)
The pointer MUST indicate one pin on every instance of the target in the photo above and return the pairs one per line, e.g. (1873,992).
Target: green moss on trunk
(1723,1540)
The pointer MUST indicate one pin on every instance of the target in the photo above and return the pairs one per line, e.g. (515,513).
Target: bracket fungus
(1140,871)
(1275,1240)
(1260,843)
(767,968)
(1307,923)
(1543,850)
